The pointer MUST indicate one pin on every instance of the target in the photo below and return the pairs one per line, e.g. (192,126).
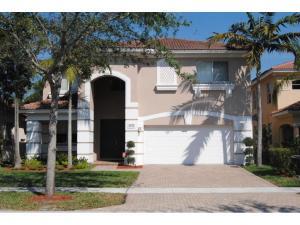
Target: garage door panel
(189,145)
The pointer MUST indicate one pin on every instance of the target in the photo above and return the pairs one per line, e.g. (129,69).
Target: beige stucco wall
(46,90)
(286,97)
(152,102)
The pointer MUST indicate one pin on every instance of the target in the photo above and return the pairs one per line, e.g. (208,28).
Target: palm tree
(71,77)
(258,35)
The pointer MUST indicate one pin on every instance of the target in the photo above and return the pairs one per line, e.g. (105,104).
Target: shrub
(249,151)
(82,163)
(33,164)
(130,160)
(129,152)
(280,159)
(248,141)
(130,144)
(62,159)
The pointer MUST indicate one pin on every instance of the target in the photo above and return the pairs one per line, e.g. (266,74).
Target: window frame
(297,85)
(212,62)
(269,89)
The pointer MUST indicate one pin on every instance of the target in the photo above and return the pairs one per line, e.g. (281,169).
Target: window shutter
(166,77)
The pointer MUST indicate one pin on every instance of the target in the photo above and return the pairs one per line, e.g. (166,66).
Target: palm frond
(71,74)
(251,20)
(289,20)
(268,17)
(231,39)
(287,37)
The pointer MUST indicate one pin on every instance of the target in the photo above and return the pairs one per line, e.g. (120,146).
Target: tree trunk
(70,129)
(259,125)
(17,157)
(51,161)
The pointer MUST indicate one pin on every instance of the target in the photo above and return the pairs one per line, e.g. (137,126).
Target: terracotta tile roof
(182,44)
(292,108)
(45,104)
(287,66)
(284,66)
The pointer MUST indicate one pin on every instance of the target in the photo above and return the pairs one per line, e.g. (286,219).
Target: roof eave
(271,71)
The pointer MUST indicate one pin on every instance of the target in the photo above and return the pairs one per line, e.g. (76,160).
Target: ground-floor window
(287,134)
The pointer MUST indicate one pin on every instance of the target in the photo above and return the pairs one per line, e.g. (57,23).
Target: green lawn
(69,179)
(269,174)
(23,201)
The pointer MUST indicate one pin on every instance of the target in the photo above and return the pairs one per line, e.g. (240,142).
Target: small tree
(130,152)
(249,150)
(85,41)
(15,79)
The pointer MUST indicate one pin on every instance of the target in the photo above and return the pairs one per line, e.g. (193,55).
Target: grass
(23,201)
(269,174)
(69,179)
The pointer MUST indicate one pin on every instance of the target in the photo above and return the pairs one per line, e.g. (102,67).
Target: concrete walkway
(137,190)
(250,202)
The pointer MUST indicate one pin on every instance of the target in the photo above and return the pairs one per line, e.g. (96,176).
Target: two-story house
(171,120)
(280,118)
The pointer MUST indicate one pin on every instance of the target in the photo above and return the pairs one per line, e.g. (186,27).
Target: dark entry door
(112,139)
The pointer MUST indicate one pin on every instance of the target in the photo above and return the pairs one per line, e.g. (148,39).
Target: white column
(242,129)
(132,132)
(34,138)
(85,126)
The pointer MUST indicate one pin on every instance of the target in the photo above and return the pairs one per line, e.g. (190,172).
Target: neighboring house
(7,132)
(281,119)
(172,121)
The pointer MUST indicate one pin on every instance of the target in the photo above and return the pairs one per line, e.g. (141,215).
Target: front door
(112,139)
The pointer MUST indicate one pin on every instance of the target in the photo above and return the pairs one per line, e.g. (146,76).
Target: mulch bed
(129,167)
(54,198)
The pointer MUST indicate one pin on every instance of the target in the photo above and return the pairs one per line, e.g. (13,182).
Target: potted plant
(248,151)
(128,156)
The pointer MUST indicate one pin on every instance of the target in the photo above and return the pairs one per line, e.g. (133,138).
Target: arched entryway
(109,117)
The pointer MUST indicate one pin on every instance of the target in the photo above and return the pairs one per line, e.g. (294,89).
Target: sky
(204,24)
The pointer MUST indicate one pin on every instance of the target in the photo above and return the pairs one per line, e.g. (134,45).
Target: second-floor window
(212,72)
(296,84)
(269,93)
(64,85)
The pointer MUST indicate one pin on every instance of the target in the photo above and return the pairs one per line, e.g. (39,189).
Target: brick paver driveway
(198,176)
(210,176)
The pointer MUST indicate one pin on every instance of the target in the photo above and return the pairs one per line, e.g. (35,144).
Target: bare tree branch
(45,31)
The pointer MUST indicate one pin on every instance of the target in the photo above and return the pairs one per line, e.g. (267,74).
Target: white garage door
(188,145)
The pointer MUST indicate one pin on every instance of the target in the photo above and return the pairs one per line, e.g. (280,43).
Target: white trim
(211,52)
(228,87)
(166,87)
(199,113)
(121,76)
(271,71)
